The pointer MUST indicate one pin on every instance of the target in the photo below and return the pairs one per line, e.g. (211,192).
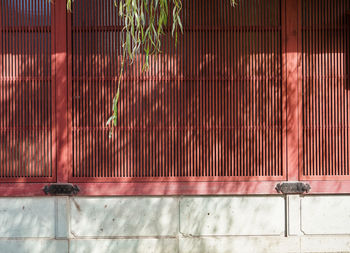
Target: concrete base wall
(175,224)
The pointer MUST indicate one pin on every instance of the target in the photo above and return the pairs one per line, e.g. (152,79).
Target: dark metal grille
(25,90)
(209,107)
(325,64)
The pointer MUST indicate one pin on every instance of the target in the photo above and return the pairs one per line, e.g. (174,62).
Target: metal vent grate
(325,63)
(208,108)
(25,90)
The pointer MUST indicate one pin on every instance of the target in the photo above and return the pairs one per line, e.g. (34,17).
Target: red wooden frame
(291,129)
(174,188)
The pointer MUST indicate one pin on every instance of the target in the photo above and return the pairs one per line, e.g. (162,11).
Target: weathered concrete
(232,216)
(33,246)
(124,246)
(27,217)
(62,222)
(325,215)
(240,244)
(325,244)
(293,213)
(130,216)
(203,224)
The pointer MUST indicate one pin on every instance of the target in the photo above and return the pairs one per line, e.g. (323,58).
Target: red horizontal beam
(328,77)
(176,128)
(25,129)
(26,180)
(26,29)
(326,178)
(186,28)
(175,179)
(23,79)
(179,78)
(326,127)
(178,188)
(174,188)
(324,27)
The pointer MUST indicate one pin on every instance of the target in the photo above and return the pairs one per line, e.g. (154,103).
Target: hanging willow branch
(144,23)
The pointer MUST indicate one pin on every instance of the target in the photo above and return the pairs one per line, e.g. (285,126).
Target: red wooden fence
(209,109)
(325,55)
(26,112)
(249,96)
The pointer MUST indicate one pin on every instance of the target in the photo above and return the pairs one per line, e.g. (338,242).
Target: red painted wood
(214,115)
(174,188)
(195,138)
(69,158)
(54,142)
(293,92)
(24,93)
(156,188)
(284,86)
(178,179)
(2,95)
(21,189)
(325,98)
(63,150)
(204,188)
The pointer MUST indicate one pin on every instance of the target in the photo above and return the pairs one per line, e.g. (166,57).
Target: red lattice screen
(326,90)
(208,109)
(250,95)
(25,91)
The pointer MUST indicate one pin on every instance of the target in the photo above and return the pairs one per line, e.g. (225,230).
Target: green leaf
(120,8)
(115,107)
(128,44)
(69,5)
(180,24)
(110,120)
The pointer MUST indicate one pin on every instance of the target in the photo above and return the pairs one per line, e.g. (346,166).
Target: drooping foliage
(144,24)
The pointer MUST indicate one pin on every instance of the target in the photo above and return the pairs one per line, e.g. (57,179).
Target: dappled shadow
(162,224)
(209,107)
(325,87)
(25,90)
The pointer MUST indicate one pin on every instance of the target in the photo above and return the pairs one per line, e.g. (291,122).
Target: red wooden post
(69,99)
(64,152)
(2,136)
(292,97)
(53,93)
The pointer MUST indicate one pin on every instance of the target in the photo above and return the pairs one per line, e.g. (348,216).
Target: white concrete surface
(175,224)
(232,216)
(325,215)
(240,244)
(334,244)
(27,217)
(294,215)
(124,246)
(33,246)
(130,216)
(62,222)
